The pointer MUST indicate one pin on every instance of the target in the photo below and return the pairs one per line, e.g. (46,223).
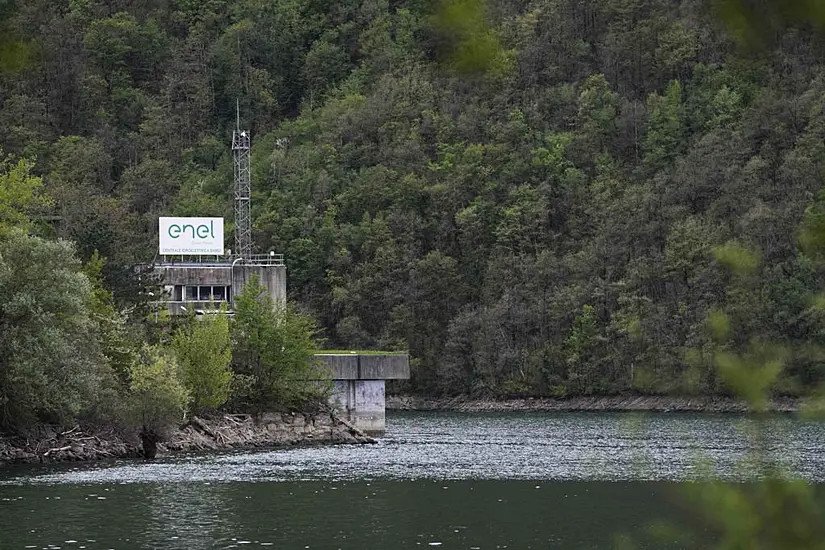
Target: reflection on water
(550,446)
(346,515)
(560,480)
(194,513)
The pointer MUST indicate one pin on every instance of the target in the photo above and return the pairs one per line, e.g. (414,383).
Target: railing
(263,259)
(194,307)
(270,259)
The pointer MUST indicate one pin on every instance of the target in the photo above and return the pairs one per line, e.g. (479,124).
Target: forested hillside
(524,194)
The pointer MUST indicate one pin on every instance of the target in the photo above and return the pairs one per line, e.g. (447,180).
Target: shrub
(274,345)
(156,392)
(202,350)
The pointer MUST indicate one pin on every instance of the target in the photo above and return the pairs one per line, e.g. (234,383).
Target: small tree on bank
(272,349)
(203,353)
(157,395)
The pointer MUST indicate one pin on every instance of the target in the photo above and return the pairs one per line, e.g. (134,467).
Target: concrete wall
(361,403)
(366,367)
(384,367)
(210,275)
(272,277)
(176,308)
(359,387)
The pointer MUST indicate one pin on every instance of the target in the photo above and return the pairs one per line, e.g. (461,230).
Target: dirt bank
(199,434)
(609,403)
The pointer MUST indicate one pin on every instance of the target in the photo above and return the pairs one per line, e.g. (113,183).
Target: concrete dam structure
(359,385)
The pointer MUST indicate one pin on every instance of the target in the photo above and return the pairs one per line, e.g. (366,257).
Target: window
(205,293)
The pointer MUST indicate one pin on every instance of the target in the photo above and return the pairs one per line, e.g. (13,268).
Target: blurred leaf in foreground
(756,23)
(473,44)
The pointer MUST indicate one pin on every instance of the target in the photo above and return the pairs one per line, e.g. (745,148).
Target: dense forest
(529,196)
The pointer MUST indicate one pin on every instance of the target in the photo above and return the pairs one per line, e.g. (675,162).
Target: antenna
(243,220)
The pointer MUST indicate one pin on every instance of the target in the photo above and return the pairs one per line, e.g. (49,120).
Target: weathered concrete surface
(340,367)
(385,367)
(200,434)
(359,385)
(272,277)
(366,367)
(188,275)
(361,402)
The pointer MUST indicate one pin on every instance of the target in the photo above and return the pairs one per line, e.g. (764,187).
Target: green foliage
(119,346)
(157,393)
(719,325)
(758,25)
(273,346)
(453,178)
(736,258)
(474,45)
(50,358)
(775,511)
(202,350)
(580,343)
(666,133)
(752,376)
(15,54)
(20,194)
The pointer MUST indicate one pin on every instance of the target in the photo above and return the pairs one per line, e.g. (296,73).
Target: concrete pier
(358,385)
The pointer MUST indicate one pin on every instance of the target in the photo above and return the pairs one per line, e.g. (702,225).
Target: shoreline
(714,404)
(219,433)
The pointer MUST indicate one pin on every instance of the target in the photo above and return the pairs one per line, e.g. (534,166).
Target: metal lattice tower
(243,220)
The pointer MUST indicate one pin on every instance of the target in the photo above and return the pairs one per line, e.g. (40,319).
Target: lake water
(436,480)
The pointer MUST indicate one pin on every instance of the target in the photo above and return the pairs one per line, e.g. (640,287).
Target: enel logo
(201,231)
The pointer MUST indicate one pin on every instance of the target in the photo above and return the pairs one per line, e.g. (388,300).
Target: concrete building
(198,284)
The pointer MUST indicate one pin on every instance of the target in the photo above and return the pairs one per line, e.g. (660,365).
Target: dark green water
(436,480)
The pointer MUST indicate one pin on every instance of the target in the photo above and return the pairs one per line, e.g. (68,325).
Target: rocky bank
(602,403)
(224,432)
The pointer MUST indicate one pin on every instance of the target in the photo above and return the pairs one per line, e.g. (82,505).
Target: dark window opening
(191,293)
(204,293)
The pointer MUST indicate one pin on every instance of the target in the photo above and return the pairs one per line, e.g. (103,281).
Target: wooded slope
(528,203)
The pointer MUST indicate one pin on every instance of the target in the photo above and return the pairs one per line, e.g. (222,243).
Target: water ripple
(492,446)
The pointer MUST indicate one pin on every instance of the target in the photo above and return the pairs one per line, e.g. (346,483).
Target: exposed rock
(230,431)
(593,403)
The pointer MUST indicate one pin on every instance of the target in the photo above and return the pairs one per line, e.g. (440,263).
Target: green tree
(274,345)
(20,194)
(50,359)
(666,130)
(202,350)
(157,394)
(582,366)
(119,344)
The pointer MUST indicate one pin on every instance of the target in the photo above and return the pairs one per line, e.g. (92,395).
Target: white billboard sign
(191,236)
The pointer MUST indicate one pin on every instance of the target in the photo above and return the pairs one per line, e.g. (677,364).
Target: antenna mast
(243,220)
